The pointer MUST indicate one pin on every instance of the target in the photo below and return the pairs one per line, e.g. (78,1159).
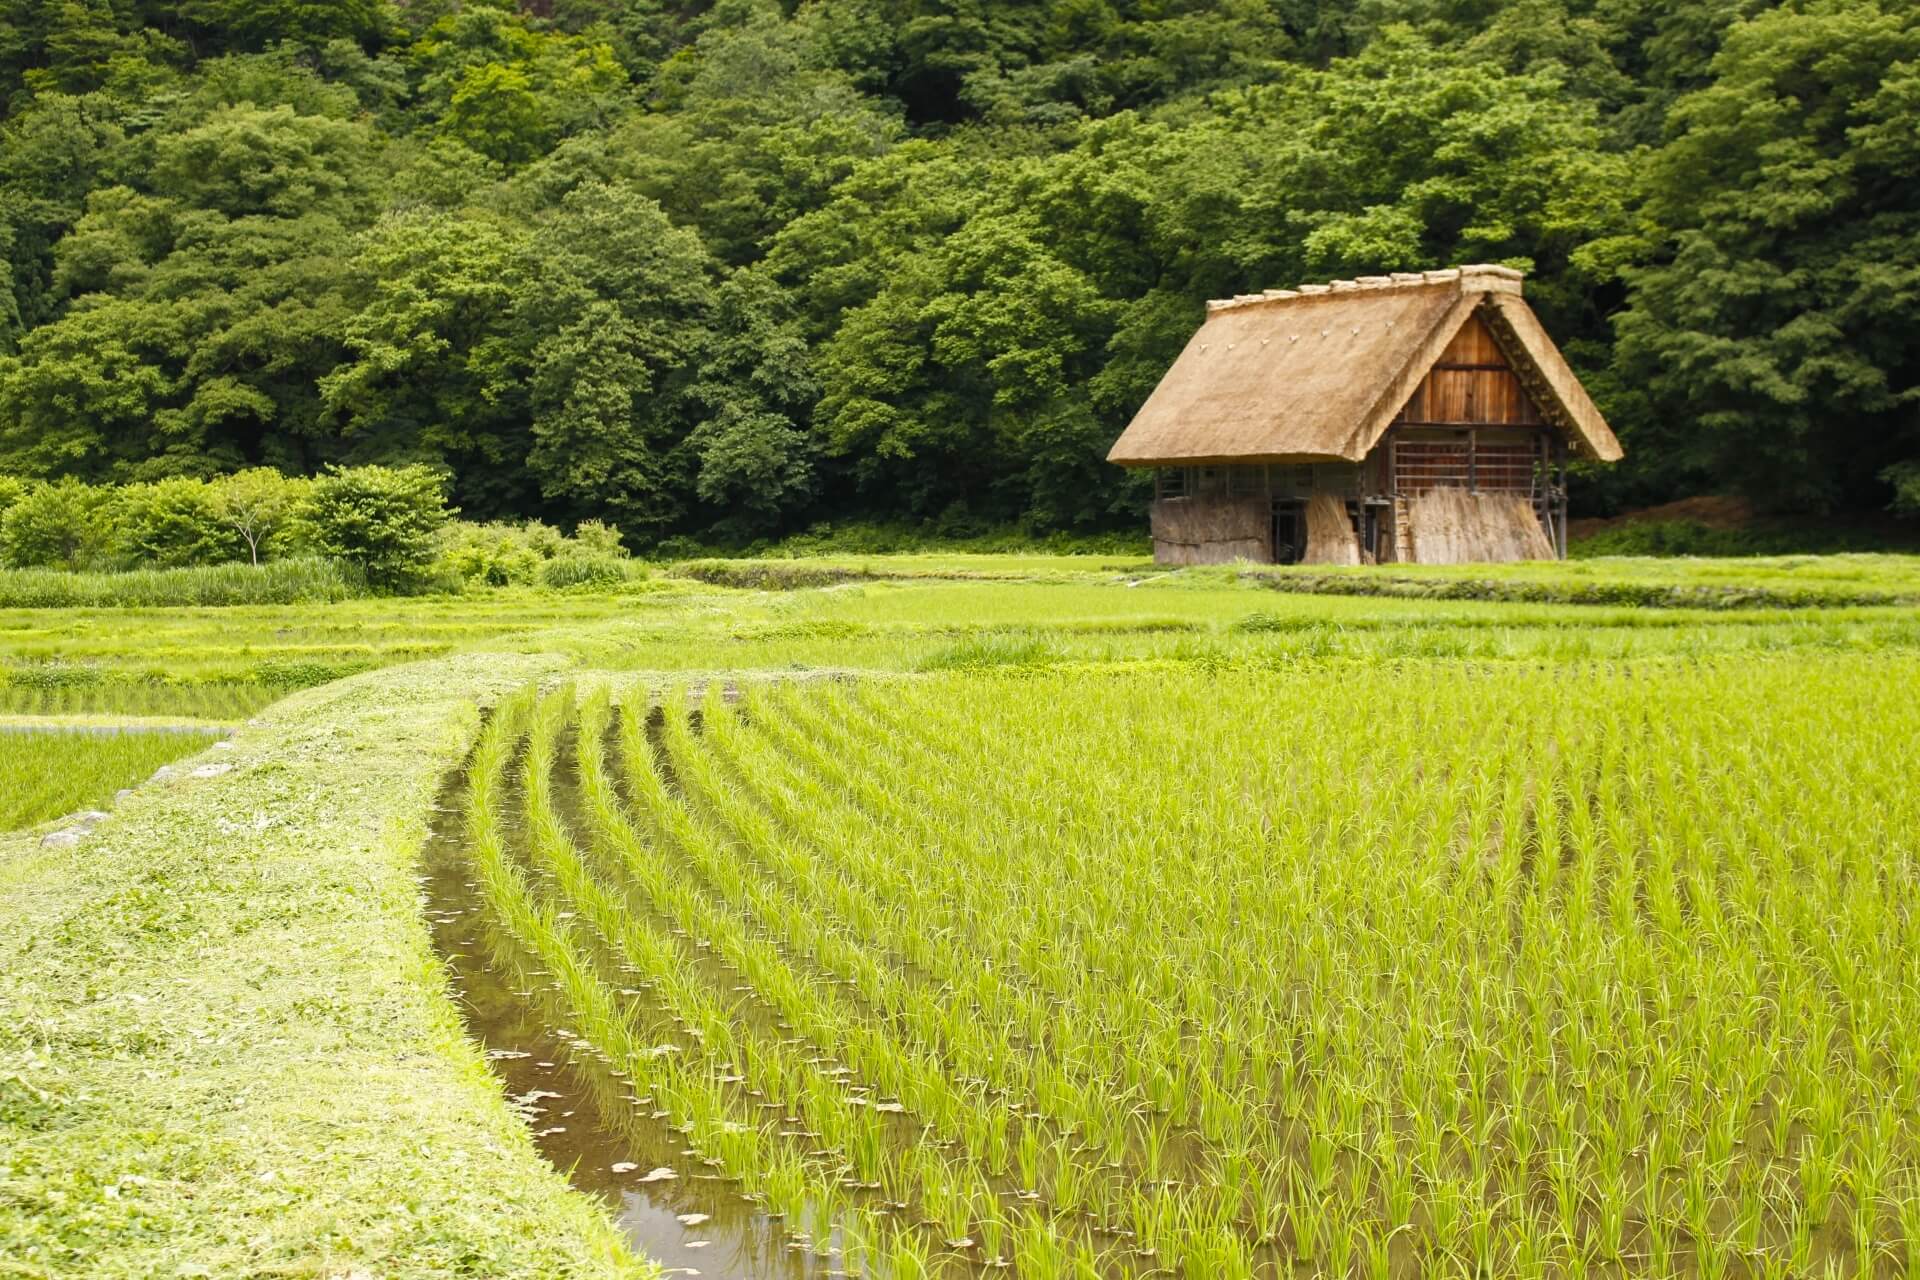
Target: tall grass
(301,581)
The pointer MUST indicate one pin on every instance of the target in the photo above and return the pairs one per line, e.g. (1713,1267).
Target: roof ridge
(1482,274)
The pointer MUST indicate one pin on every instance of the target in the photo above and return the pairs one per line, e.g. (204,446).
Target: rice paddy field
(956,916)
(47,772)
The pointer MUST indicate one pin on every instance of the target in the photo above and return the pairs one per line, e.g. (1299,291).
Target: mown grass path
(225,1045)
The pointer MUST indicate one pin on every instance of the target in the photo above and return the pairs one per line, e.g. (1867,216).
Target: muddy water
(585,1120)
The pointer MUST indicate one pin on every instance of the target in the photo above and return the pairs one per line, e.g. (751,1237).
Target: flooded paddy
(617,902)
(673,1205)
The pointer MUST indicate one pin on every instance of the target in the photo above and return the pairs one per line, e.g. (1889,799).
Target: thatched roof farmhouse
(1413,417)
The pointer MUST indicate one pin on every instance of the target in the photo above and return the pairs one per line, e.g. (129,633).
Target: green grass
(276,582)
(47,773)
(229,1046)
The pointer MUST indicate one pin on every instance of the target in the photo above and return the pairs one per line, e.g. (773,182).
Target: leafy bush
(600,539)
(381,520)
(492,555)
(65,525)
(177,522)
(12,489)
(501,554)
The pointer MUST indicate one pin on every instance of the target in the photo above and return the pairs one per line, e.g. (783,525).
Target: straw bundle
(1212,530)
(1452,526)
(1330,537)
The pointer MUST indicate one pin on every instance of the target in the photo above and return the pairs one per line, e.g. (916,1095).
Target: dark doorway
(1289,532)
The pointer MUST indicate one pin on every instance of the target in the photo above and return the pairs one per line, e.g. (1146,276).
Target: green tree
(611,311)
(382,520)
(756,462)
(260,506)
(433,296)
(66,525)
(509,91)
(759,134)
(1770,323)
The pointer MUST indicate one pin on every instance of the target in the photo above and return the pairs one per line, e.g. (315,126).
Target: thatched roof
(1320,371)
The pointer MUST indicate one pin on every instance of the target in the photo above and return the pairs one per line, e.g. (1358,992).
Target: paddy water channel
(589,1123)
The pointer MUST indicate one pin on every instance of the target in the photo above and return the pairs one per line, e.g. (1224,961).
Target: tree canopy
(729,268)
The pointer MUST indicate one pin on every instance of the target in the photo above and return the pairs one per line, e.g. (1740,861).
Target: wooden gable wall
(1471,384)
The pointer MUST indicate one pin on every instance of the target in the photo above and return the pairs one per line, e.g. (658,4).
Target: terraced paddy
(1442,972)
(967,916)
(49,768)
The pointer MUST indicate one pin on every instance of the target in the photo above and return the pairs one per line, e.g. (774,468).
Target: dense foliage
(348,529)
(730,269)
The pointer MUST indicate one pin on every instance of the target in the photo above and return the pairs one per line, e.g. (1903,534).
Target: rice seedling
(50,772)
(1482,986)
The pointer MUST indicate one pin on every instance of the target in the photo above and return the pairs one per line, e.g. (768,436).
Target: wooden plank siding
(1471,384)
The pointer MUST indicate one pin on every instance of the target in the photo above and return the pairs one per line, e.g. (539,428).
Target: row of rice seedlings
(1581,1046)
(699,1086)
(892,1077)
(1213,1096)
(964,1019)
(799,1083)
(1216,1099)
(682,1090)
(1070,1178)
(714,723)
(1080,1175)
(1034,1006)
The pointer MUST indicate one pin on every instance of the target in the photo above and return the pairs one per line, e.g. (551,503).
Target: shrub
(597,538)
(262,507)
(492,555)
(12,489)
(500,554)
(176,523)
(65,525)
(381,520)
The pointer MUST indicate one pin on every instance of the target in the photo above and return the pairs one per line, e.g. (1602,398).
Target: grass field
(924,917)
(45,773)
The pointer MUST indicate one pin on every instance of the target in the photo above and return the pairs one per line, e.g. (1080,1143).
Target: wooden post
(1560,489)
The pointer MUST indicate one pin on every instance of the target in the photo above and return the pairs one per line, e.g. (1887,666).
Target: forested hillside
(730,269)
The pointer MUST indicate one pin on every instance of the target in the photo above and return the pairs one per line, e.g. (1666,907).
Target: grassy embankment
(228,1048)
